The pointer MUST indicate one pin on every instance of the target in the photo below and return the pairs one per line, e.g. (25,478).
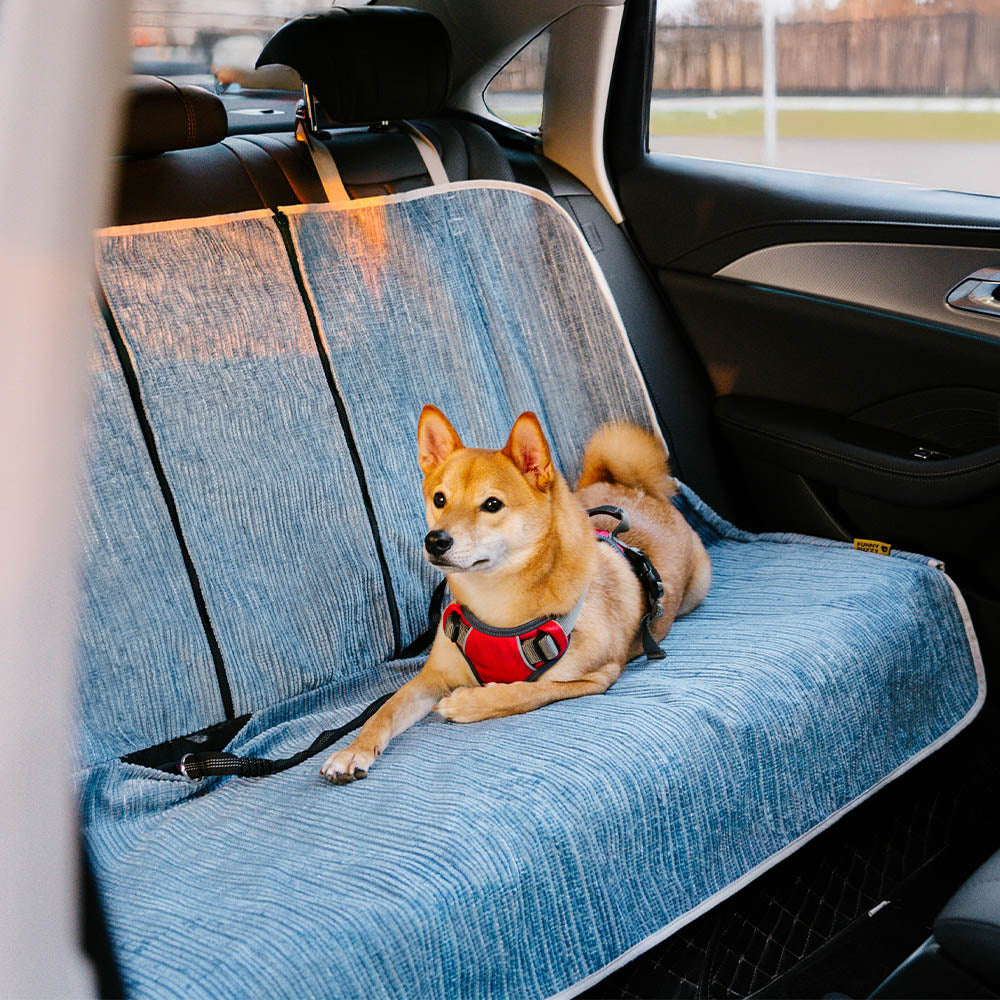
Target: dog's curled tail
(627,455)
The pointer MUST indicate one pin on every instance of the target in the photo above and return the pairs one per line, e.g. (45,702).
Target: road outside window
(898,90)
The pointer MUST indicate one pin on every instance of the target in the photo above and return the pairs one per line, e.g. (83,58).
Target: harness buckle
(547,646)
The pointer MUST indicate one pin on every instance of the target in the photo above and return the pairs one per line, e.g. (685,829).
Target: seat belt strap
(329,175)
(428,153)
(325,165)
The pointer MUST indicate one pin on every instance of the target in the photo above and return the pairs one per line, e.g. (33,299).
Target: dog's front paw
(350,764)
(467,704)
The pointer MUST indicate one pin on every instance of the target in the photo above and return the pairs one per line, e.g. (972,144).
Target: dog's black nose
(437,543)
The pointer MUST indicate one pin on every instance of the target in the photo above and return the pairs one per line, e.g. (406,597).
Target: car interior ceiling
(842,414)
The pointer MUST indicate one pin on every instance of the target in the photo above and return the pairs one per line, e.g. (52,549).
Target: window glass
(515,93)
(902,90)
(212,43)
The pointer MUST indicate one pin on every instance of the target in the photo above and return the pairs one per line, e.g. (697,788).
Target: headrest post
(310,110)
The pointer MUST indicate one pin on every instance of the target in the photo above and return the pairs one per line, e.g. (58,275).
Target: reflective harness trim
(525,652)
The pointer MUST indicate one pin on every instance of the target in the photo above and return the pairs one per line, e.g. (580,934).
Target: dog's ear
(529,451)
(436,439)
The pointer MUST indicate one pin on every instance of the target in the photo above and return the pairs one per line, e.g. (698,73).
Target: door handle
(978,293)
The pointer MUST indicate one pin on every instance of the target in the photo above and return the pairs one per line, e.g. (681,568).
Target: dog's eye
(439,500)
(491,505)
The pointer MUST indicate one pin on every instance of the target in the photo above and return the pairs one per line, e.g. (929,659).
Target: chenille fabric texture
(146,672)
(252,447)
(509,858)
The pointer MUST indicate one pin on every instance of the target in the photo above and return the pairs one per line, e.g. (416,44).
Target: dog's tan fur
(536,556)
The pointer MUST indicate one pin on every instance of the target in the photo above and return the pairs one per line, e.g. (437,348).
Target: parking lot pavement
(959,166)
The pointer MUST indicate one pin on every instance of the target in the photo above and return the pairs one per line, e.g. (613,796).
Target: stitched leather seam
(260,194)
(928,476)
(189,114)
(262,142)
(189,118)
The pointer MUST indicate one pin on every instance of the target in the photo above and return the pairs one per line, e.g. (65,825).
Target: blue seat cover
(249,437)
(520,856)
(516,857)
(145,669)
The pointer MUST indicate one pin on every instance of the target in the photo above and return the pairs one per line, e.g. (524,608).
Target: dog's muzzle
(437,543)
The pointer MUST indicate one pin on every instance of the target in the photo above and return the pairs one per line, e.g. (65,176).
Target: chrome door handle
(978,293)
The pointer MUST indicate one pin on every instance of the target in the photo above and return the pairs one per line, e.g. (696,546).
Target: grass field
(918,126)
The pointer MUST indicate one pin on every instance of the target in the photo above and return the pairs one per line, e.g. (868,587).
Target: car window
(898,90)
(212,44)
(515,93)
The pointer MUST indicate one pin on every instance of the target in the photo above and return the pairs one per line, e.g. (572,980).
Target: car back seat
(521,856)
(241,172)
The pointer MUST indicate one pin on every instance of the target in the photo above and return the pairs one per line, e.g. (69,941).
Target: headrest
(162,116)
(367,64)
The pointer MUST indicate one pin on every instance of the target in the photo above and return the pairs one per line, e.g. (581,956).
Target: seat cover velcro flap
(145,669)
(481,300)
(251,444)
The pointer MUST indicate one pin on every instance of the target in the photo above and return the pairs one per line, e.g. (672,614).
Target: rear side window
(515,93)
(898,90)
(212,44)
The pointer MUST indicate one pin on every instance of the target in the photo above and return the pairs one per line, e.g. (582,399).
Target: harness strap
(423,641)
(646,572)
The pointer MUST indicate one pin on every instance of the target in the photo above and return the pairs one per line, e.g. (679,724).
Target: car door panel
(852,401)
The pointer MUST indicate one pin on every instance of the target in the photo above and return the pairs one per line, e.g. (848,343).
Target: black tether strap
(424,640)
(213,765)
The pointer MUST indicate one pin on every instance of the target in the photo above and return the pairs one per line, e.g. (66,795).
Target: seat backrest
(246,426)
(171,170)
(173,164)
(483,300)
(291,457)
(146,670)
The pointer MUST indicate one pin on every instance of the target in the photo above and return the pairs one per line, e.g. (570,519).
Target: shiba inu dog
(523,558)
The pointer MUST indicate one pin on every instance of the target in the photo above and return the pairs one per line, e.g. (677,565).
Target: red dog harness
(525,652)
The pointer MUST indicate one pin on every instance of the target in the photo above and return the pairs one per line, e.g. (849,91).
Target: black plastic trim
(626,128)
(852,456)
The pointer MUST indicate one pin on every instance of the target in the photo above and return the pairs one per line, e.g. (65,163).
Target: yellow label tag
(870,545)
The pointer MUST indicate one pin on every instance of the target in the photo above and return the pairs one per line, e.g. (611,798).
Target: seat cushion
(520,856)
